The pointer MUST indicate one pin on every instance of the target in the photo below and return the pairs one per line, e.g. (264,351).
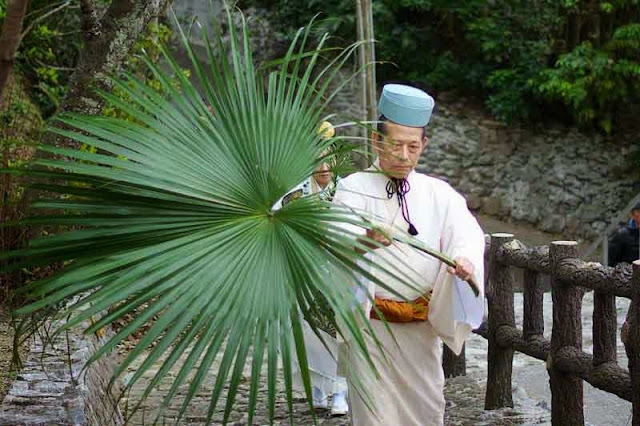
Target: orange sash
(397,311)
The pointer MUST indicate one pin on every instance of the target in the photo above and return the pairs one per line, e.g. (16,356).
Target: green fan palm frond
(172,217)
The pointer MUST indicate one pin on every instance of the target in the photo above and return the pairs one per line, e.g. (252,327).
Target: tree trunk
(370,57)
(108,41)
(10,39)
(596,22)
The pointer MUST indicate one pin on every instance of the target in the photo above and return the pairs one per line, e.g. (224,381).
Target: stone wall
(52,388)
(557,179)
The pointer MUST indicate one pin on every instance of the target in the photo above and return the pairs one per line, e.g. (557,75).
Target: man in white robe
(408,390)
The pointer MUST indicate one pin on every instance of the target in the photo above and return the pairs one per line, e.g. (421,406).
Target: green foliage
(516,39)
(626,41)
(185,229)
(20,126)
(49,51)
(9,113)
(509,98)
(334,16)
(515,54)
(51,47)
(597,85)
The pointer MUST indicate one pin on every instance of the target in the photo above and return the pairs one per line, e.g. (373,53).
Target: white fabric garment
(322,363)
(408,391)
(444,223)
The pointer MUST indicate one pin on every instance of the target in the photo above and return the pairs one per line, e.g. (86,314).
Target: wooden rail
(567,364)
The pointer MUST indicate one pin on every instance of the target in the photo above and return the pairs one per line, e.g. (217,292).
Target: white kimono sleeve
(454,310)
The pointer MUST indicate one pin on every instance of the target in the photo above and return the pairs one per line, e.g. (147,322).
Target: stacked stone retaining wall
(560,180)
(53,389)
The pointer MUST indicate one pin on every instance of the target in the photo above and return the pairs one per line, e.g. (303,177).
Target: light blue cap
(405,105)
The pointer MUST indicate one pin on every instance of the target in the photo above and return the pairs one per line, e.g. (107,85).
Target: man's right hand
(377,236)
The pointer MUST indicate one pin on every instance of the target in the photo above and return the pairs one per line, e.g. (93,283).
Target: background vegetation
(577,61)
(574,61)
(54,36)
(52,43)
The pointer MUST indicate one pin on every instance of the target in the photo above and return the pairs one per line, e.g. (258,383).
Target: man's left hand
(464,269)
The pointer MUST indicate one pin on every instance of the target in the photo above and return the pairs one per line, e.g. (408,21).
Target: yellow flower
(326,130)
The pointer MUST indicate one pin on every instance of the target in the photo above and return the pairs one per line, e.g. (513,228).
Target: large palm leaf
(173,219)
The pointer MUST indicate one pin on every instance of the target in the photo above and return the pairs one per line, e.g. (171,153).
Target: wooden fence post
(566,389)
(533,316)
(633,344)
(605,328)
(452,364)
(500,299)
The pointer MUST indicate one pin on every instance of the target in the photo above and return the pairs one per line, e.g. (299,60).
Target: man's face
(323,175)
(400,149)
(322,172)
(635,215)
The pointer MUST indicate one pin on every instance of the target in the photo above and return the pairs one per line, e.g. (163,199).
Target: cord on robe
(401,187)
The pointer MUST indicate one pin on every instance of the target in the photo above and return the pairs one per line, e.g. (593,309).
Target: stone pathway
(199,406)
(53,388)
(465,399)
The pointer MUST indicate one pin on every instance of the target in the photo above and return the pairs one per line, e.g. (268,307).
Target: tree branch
(10,39)
(42,9)
(43,17)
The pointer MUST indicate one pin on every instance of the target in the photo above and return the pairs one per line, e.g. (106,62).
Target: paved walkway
(465,398)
